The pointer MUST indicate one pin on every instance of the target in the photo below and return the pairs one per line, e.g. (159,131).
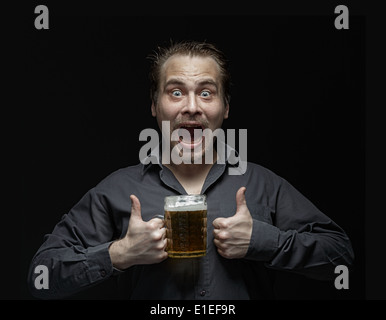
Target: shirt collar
(155,157)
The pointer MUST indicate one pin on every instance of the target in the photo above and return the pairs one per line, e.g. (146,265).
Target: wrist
(118,254)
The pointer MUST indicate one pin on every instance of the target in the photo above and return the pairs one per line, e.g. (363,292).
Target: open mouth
(190,134)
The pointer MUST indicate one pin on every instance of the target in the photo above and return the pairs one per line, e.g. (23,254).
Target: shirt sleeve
(76,252)
(301,238)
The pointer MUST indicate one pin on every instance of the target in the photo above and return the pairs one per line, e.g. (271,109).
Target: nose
(192,105)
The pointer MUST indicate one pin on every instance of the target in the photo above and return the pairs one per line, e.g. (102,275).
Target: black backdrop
(299,90)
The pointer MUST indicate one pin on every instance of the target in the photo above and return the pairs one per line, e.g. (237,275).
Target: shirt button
(202,293)
(103,273)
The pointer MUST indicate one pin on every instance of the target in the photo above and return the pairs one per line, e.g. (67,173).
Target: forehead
(190,67)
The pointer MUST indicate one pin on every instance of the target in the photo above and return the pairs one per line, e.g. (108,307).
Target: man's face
(190,97)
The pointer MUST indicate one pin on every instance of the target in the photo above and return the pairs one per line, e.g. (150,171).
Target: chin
(195,156)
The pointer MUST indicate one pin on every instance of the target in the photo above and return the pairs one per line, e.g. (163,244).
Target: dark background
(299,89)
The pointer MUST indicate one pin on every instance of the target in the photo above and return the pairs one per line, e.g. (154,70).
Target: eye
(205,94)
(176,93)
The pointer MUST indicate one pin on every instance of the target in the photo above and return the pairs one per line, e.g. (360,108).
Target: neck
(191,176)
(191,169)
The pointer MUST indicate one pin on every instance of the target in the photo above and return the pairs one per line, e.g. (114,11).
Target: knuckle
(224,224)
(224,246)
(156,235)
(220,223)
(160,245)
(154,224)
(162,256)
(221,245)
(223,235)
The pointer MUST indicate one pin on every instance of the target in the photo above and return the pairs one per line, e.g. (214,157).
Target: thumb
(241,203)
(135,207)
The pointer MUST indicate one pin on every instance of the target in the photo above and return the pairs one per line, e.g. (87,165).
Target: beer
(185,221)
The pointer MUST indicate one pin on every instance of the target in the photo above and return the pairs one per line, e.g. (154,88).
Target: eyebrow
(180,82)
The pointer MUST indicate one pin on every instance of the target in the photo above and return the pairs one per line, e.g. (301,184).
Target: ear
(153,109)
(226,111)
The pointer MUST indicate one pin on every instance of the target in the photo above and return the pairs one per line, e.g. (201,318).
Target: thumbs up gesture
(232,235)
(144,243)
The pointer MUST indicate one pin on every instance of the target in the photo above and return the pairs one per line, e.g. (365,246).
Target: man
(257,221)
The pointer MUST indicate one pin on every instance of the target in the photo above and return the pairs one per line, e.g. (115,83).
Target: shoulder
(265,176)
(121,177)
(257,169)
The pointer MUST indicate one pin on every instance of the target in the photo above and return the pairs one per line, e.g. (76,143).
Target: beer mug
(185,222)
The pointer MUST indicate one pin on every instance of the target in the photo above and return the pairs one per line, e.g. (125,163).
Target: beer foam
(184,207)
(185,203)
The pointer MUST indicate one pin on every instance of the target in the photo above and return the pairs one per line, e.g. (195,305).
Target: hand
(144,243)
(232,235)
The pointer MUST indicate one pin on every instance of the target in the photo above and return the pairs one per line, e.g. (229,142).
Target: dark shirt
(289,233)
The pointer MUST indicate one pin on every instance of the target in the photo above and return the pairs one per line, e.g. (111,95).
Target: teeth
(192,128)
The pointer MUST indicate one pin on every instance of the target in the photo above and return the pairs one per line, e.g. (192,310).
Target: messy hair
(190,48)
